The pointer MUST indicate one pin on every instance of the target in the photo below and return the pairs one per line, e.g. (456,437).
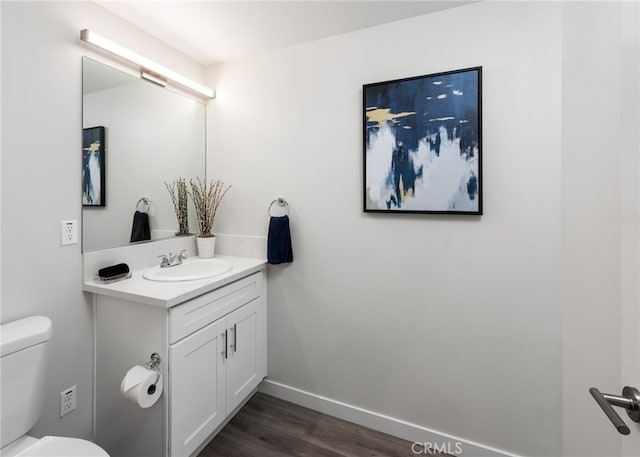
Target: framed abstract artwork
(423,144)
(93,167)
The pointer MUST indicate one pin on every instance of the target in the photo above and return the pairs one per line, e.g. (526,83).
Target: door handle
(629,400)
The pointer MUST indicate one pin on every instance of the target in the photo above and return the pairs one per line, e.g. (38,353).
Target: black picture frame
(422,143)
(93,167)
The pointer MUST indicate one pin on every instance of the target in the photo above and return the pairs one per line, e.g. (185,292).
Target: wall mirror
(151,136)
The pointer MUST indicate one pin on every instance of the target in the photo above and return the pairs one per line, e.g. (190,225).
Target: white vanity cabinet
(226,358)
(196,367)
(214,354)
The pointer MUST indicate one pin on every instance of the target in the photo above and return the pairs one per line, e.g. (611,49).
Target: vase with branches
(206,199)
(178,192)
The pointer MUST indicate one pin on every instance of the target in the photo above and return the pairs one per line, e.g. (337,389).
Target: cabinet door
(242,365)
(197,401)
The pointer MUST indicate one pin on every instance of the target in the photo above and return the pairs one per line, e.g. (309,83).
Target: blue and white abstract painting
(93,171)
(423,145)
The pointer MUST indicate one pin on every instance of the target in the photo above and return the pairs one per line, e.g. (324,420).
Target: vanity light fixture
(153,77)
(148,69)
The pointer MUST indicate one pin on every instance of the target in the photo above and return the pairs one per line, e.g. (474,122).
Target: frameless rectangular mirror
(151,136)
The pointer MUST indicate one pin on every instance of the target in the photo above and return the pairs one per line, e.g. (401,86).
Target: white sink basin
(189,270)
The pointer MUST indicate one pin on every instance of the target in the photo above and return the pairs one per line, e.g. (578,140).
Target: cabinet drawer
(197,313)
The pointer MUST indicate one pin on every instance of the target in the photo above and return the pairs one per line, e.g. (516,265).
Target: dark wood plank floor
(270,427)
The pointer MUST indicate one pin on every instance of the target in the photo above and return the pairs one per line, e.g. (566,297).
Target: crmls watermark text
(431,448)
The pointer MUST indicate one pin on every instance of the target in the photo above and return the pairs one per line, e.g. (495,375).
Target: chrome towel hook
(630,400)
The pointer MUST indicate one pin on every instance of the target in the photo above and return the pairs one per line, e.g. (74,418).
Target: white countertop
(168,294)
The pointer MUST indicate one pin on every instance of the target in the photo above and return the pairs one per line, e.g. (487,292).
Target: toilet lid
(55,446)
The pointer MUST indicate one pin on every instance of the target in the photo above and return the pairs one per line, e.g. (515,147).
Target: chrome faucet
(172,259)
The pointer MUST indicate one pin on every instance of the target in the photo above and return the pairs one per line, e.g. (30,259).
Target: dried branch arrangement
(178,192)
(206,199)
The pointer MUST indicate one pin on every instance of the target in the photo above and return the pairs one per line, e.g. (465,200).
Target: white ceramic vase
(206,246)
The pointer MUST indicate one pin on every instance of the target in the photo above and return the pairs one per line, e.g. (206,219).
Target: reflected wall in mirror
(152,136)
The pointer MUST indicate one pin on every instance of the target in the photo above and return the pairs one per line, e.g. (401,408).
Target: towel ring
(281,203)
(144,201)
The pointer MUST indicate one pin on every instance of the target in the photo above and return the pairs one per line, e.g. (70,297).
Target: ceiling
(218,31)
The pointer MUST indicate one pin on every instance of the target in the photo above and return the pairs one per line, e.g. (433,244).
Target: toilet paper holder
(143,384)
(152,364)
(154,361)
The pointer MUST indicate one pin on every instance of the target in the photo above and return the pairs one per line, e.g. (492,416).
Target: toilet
(23,355)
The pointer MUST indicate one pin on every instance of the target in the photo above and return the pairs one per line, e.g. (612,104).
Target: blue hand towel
(279,241)
(140,230)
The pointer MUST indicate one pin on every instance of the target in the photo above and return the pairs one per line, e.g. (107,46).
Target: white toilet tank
(23,348)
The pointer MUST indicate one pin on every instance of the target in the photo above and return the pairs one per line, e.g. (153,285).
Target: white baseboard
(396,427)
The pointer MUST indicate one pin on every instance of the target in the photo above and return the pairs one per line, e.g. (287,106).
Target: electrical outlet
(67,400)
(68,232)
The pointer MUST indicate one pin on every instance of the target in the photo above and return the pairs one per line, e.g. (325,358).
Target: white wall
(41,144)
(452,323)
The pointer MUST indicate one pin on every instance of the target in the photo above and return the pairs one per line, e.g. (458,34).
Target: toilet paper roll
(142,386)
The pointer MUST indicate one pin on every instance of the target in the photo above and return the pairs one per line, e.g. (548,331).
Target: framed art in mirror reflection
(93,166)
